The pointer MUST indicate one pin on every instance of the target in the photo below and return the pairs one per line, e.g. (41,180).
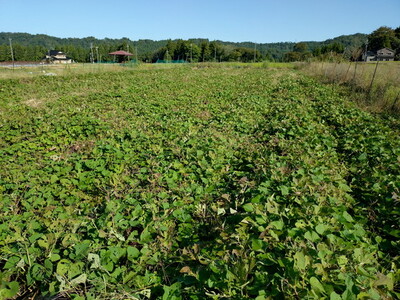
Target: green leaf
(82,249)
(362,157)
(133,253)
(284,190)
(78,280)
(347,217)
(63,266)
(54,257)
(383,280)
(277,224)
(145,236)
(317,286)
(321,228)
(344,187)
(300,261)
(11,262)
(95,260)
(248,207)
(335,296)
(37,272)
(311,236)
(9,290)
(53,179)
(116,253)
(257,244)
(172,292)
(75,269)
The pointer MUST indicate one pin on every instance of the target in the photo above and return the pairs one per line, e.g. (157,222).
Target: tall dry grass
(376,85)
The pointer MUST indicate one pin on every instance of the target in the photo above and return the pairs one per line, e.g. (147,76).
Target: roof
(55,52)
(385,53)
(388,49)
(120,52)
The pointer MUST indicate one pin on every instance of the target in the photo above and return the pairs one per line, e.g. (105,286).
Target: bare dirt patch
(34,102)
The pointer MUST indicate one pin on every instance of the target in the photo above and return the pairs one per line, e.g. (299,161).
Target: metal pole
(12,53)
(191,52)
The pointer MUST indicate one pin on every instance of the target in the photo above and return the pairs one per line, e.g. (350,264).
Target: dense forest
(28,47)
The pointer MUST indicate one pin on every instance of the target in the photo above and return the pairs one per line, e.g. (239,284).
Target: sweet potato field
(195,183)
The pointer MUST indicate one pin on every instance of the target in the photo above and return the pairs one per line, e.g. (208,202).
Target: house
(57,57)
(369,56)
(384,54)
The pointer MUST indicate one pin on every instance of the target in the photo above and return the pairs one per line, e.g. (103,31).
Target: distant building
(384,54)
(369,56)
(57,57)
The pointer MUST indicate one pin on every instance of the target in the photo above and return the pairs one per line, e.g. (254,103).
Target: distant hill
(33,47)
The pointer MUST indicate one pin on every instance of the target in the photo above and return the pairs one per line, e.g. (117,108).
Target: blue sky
(259,21)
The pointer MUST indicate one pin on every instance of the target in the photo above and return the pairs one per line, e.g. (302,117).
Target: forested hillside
(28,47)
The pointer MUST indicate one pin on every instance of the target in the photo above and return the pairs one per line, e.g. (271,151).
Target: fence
(376,83)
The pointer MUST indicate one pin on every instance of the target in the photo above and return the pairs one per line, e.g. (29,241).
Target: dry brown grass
(34,102)
(379,94)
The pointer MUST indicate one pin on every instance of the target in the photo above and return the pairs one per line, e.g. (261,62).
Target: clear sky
(259,21)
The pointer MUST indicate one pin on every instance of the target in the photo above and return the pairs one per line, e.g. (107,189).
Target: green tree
(381,38)
(217,51)
(205,51)
(292,56)
(300,47)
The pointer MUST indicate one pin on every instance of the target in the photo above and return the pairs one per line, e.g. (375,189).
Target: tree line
(184,50)
(383,37)
(27,47)
(206,51)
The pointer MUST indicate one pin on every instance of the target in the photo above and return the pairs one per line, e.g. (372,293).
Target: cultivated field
(195,182)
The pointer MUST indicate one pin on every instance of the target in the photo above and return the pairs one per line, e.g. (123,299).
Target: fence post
(395,101)
(372,81)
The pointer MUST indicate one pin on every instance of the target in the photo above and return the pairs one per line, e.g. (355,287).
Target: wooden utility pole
(12,53)
(91,53)
(97,54)
(372,81)
(255,51)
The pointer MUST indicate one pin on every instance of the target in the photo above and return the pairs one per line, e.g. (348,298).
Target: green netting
(129,63)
